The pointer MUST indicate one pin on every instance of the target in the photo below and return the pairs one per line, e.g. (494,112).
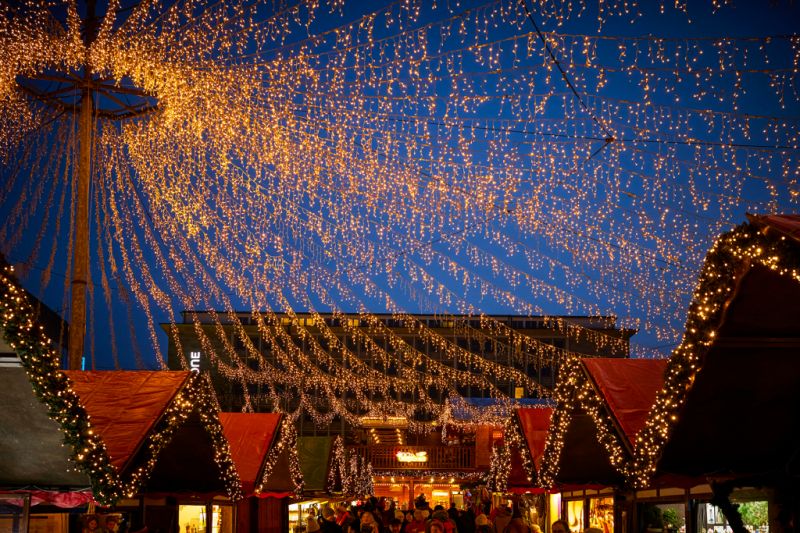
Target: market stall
(729,410)
(314,454)
(259,457)
(527,439)
(54,464)
(139,442)
(602,403)
(583,447)
(629,389)
(164,439)
(38,479)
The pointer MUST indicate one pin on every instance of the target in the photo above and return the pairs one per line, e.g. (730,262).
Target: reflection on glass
(193,519)
(554,508)
(601,514)
(663,517)
(755,515)
(575,515)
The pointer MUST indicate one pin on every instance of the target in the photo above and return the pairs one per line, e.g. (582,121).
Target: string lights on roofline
(88,451)
(195,398)
(514,440)
(733,253)
(285,446)
(575,394)
(435,149)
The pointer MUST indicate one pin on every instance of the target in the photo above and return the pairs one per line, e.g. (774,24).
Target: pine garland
(41,362)
(731,256)
(52,387)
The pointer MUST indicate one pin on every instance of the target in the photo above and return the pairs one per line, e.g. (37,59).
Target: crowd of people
(381,516)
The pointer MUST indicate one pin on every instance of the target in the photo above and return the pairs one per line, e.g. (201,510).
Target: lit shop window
(194,518)
(601,514)
(575,515)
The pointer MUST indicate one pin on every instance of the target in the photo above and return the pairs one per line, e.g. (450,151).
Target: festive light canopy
(475,158)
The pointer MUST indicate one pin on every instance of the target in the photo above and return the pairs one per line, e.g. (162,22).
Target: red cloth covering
(789,225)
(65,500)
(279,495)
(250,436)
(527,490)
(125,405)
(535,423)
(629,386)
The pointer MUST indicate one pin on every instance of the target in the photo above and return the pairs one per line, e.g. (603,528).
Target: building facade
(431,459)
(532,345)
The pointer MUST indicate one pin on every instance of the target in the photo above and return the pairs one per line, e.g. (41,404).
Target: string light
(416,157)
(574,393)
(732,255)
(349,473)
(195,397)
(42,365)
(500,467)
(514,440)
(286,446)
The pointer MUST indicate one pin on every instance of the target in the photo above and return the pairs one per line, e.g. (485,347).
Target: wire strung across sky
(300,160)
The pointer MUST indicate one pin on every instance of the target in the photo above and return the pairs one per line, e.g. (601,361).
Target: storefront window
(17,516)
(194,518)
(440,497)
(663,517)
(458,499)
(299,512)
(601,514)
(532,507)
(48,523)
(400,493)
(436,494)
(12,512)
(755,515)
(575,515)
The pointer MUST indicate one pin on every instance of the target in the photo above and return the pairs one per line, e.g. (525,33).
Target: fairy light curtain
(476,158)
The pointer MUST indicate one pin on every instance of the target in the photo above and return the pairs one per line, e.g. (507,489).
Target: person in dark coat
(329,524)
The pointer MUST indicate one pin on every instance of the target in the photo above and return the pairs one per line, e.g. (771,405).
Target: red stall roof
(251,437)
(788,225)
(535,423)
(124,405)
(629,387)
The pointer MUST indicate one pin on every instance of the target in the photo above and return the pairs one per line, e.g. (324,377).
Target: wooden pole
(80,248)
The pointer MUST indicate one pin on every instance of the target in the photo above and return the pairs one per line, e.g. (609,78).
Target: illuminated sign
(412,457)
(194,361)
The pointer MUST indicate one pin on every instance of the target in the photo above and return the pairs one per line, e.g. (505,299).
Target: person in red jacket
(343,517)
(418,524)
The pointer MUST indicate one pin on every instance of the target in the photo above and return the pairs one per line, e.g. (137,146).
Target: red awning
(629,387)
(535,423)
(124,405)
(788,225)
(62,499)
(250,436)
